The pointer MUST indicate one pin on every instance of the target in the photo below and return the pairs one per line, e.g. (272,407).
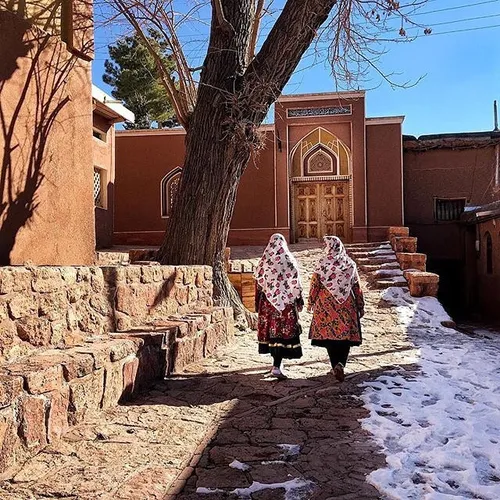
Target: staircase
(378,262)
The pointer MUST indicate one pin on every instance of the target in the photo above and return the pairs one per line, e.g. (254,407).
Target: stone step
(375,267)
(366,245)
(387,273)
(371,261)
(388,283)
(376,253)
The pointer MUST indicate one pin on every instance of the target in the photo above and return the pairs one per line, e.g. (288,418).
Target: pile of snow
(417,312)
(440,426)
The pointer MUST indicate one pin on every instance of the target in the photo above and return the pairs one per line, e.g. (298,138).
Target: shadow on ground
(301,436)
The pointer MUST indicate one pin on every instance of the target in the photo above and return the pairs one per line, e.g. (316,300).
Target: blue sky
(460,70)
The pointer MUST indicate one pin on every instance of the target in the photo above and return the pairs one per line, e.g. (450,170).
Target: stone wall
(77,340)
(51,306)
(142,294)
(60,306)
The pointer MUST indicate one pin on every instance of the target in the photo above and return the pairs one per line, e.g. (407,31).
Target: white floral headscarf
(336,270)
(278,274)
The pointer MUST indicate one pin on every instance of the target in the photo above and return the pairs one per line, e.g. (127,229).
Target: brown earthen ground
(182,434)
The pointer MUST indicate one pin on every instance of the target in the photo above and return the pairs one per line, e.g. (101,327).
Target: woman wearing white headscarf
(337,303)
(278,300)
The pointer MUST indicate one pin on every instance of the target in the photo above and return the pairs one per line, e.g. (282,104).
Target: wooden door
(334,210)
(321,209)
(306,211)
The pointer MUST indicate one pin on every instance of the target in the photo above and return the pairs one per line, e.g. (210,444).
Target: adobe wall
(144,158)
(59,362)
(385,179)
(489,284)
(49,169)
(104,160)
(443,173)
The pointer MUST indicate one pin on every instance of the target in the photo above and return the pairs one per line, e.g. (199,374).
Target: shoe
(338,372)
(277,373)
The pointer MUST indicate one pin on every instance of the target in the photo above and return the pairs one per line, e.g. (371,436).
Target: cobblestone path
(224,429)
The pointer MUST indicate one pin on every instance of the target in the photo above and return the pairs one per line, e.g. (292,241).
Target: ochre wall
(47,160)
(104,160)
(385,178)
(444,173)
(489,284)
(144,158)
(349,128)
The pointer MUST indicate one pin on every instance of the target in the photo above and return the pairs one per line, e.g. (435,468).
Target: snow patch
(235,464)
(290,450)
(440,426)
(417,312)
(295,489)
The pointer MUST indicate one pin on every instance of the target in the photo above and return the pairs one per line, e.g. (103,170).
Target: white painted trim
(385,120)
(176,131)
(402,179)
(321,96)
(152,131)
(112,104)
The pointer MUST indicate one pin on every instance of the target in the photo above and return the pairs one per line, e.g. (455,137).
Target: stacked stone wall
(77,340)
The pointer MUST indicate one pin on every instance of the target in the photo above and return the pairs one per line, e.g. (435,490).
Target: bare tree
(239,80)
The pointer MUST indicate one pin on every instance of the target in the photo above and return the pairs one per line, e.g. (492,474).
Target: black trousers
(277,359)
(338,352)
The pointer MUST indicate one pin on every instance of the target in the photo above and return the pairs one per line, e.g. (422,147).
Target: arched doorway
(320,166)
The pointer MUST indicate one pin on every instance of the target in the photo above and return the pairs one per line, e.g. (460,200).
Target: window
(446,210)
(489,254)
(98,134)
(168,191)
(99,188)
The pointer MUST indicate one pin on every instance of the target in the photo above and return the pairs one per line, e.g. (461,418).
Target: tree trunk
(233,99)
(217,153)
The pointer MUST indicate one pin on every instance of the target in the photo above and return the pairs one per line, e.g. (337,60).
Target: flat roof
(111,107)
(384,120)
(322,96)
(454,135)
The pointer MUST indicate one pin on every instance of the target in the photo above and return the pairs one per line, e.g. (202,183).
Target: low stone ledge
(407,244)
(422,284)
(416,261)
(393,231)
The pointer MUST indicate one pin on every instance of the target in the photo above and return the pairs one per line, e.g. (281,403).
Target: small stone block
(32,428)
(129,377)
(397,231)
(404,244)
(422,284)
(10,388)
(412,261)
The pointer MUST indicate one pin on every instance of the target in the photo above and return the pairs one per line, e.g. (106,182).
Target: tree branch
(281,52)
(221,18)
(252,45)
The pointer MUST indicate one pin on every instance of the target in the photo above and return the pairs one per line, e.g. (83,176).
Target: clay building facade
(106,113)
(445,176)
(46,49)
(325,169)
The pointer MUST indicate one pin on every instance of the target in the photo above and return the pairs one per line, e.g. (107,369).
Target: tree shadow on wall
(34,73)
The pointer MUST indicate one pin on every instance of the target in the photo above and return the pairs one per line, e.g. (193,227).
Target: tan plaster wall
(48,217)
